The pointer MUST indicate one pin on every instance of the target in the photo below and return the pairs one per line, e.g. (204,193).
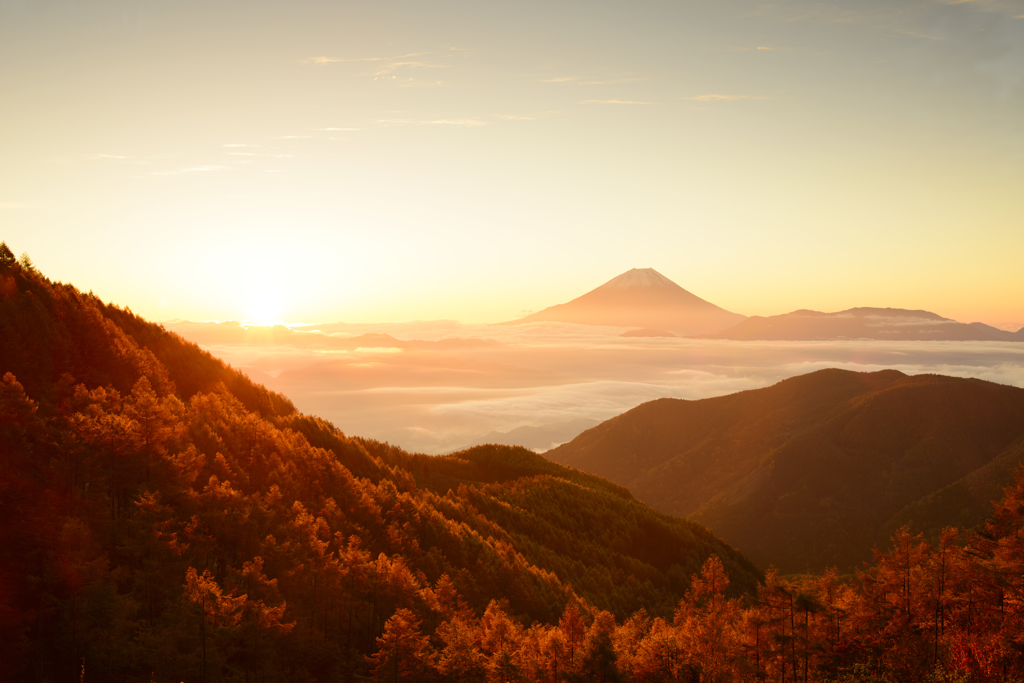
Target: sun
(264,309)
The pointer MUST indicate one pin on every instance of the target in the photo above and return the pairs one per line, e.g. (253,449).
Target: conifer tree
(403,653)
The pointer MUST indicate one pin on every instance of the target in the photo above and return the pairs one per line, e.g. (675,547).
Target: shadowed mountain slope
(890,324)
(162,515)
(643,298)
(817,469)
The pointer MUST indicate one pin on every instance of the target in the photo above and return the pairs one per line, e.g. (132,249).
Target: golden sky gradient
(382,161)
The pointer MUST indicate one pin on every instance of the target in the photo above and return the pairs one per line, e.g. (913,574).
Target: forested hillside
(161,515)
(166,520)
(818,469)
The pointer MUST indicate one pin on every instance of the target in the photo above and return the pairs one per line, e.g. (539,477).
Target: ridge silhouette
(640,298)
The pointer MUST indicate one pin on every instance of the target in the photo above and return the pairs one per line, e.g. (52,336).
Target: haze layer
(459,382)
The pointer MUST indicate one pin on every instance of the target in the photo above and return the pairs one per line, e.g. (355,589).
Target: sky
(392,161)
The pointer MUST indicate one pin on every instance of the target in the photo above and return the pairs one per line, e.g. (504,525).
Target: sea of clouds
(438,386)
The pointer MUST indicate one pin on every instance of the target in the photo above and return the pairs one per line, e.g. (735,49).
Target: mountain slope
(162,515)
(643,298)
(891,324)
(538,438)
(815,470)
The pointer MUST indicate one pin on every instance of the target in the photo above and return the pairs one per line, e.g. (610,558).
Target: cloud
(335,129)
(1005,7)
(747,48)
(725,98)
(579,81)
(631,79)
(331,60)
(388,64)
(599,400)
(471,123)
(236,145)
(393,66)
(107,156)
(293,137)
(264,156)
(902,18)
(546,373)
(820,12)
(468,122)
(613,102)
(14,205)
(192,169)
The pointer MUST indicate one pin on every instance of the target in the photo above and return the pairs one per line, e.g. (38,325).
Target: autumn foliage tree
(164,518)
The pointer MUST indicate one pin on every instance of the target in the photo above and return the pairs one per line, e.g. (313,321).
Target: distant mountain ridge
(538,438)
(891,324)
(640,298)
(816,470)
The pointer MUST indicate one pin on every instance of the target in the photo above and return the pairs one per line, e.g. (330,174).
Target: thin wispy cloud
(901,18)
(394,70)
(338,129)
(332,60)
(237,145)
(748,48)
(613,102)
(582,81)
(108,156)
(191,169)
(725,98)
(472,123)
(415,83)
(394,66)
(262,156)
(468,122)
(824,13)
(388,65)
(1006,7)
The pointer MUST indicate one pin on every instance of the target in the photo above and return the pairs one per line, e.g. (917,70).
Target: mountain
(890,324)
(816,470)
(647,333)
(162,517)
(640,298)
(538,438)
(312,336)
